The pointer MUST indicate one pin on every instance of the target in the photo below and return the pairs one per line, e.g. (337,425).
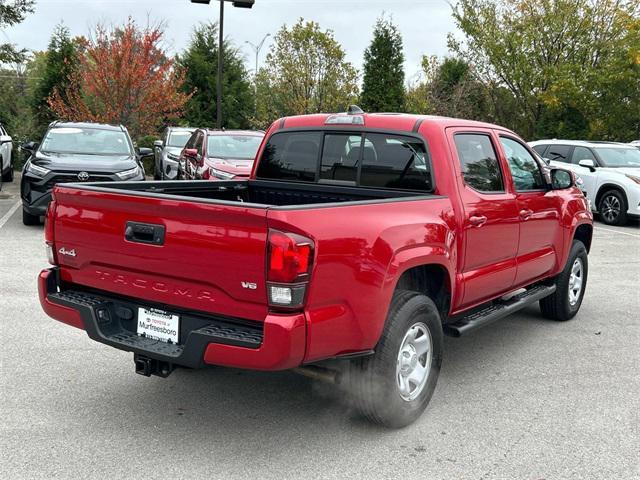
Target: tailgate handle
(145,233)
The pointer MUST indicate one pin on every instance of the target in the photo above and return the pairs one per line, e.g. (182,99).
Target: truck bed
(254,193)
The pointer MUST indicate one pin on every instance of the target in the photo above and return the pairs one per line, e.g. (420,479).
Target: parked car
(6,158)
(610,172)
(220,154)
(76,152)
(379,234)
(167,152)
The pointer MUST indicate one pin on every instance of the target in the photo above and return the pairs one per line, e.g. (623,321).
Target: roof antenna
(355,110)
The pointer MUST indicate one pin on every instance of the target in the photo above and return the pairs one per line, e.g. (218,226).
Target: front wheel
(565,302)
(613,208)
(8,176)
(394,386)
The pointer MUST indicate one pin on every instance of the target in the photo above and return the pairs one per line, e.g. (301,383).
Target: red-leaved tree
(124,78)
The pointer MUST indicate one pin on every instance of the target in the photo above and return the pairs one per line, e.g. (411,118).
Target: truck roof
(389,121)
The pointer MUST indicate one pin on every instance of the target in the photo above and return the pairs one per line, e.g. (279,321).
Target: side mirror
(158,144)
(4,139)
(30,147)
(191,153)
(590,164)
(145,152)
(561,179)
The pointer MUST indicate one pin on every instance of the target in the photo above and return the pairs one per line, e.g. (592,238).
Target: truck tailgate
(212,257)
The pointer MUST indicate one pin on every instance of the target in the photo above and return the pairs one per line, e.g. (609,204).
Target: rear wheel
(28,219)
(565,302)
(394,386)
(613,208)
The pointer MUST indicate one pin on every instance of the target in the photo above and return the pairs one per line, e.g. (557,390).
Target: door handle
(477,220)
(526,214)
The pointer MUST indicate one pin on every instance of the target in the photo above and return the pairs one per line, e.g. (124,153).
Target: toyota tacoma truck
(357,243)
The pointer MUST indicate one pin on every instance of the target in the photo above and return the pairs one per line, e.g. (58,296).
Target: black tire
(558,305)
(8,175)
(28,219)
(613,208)
(373,379)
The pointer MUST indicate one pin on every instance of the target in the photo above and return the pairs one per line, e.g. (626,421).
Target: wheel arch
(607,187)
(431,279)
(584,233)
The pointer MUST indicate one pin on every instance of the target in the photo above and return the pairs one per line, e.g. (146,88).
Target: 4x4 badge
(68,253)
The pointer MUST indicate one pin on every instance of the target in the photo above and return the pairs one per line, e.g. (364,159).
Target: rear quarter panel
(360,253)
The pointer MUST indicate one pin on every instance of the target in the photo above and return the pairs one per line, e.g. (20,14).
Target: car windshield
(619,157)
(88,141)
(179,139)
(241,147)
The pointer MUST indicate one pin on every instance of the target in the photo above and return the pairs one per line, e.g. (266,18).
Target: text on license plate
(159,325)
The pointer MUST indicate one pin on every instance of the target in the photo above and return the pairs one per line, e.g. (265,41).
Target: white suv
(610,172)
(6,162)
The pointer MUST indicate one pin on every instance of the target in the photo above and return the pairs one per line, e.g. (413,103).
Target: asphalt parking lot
(524,398)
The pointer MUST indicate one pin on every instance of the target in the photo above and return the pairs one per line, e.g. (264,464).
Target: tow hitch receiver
(148,366)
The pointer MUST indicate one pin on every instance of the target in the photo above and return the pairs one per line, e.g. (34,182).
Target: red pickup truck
(359,240)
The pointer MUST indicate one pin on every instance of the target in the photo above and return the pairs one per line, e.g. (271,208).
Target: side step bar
(496,311)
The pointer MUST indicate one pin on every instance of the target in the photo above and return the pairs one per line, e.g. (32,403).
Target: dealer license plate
(158,324)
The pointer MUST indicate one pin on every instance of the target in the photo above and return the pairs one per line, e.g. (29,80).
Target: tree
(305,72)
(199,64)
(12,13)
(550,54)
(124,78)
(62,60)
(383,86)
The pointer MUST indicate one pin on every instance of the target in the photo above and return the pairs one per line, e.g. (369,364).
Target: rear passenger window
(558,153)
(394,161)
(539,149)
(479,163)
(291,156)
(340,156)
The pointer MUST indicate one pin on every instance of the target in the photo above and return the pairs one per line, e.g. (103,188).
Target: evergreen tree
(200,66)
(62,59)
(383,86)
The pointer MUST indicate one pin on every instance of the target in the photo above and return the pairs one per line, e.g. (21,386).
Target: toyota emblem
(83,176)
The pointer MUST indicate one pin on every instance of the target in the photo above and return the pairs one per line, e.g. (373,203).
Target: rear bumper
(276,344)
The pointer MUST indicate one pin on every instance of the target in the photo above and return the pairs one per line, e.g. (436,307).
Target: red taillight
(290,257)
(48,232)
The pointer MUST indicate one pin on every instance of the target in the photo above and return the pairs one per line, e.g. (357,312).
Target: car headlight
(36,170)
(634,178)
(127,174)
(173,157)
(214,172)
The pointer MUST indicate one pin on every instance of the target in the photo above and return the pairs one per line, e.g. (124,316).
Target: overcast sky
(424,23)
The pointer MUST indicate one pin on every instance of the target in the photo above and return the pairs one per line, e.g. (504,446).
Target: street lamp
(257,49)
(238,4)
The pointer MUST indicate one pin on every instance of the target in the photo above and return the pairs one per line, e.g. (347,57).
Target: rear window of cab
(365,159)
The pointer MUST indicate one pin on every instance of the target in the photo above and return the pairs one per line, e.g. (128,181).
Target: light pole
(257,49)
(238,4)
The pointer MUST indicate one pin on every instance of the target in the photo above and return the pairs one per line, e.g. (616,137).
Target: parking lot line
(616,231)
(8,215)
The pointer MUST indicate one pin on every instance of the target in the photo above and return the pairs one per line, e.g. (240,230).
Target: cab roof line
(282,122)
(418,124)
